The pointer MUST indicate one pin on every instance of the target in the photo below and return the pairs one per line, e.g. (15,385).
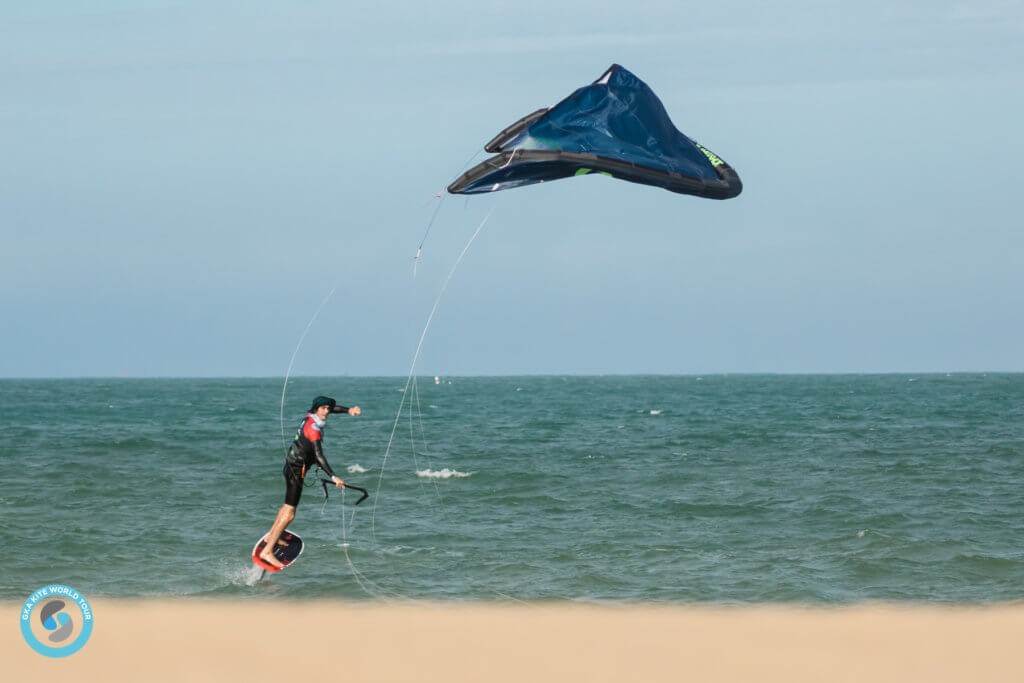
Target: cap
(323,401)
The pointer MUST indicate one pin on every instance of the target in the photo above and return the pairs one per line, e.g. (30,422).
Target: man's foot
(283,543)
(269,558)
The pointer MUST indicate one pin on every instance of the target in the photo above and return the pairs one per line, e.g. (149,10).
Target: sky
(232,189)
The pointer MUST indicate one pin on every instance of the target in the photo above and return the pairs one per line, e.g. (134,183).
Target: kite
(616,126)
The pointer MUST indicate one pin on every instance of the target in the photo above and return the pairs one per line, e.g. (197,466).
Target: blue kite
(615,126)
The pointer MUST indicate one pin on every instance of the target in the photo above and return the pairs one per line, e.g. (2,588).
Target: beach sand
(193,640)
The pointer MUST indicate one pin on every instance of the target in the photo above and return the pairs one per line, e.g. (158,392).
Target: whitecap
(442,474)
(356,469)
(655,412)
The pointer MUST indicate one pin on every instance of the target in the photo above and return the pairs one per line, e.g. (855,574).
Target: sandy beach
(204,640)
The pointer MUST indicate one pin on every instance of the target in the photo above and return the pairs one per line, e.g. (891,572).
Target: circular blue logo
(56,620)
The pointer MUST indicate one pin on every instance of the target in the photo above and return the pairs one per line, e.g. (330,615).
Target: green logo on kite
(587,171)
(712,157)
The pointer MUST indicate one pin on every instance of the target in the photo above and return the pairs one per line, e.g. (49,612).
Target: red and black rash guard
(307,447)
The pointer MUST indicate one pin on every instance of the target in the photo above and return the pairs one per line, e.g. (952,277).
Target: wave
(356,469)
(442,474)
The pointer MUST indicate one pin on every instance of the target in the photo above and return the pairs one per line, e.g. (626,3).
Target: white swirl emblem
(56,620)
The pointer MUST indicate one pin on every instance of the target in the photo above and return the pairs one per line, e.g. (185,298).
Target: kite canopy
(616,126)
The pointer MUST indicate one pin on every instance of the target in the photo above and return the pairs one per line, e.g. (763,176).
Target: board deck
(286,554)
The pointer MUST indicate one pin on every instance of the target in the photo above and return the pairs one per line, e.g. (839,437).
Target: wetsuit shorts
(293,484)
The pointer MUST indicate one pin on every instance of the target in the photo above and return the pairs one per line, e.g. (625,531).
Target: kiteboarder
(306,450)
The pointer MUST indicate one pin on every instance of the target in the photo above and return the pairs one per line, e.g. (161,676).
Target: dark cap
(323,401)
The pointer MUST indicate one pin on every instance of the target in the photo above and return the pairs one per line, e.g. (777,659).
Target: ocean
(732,489)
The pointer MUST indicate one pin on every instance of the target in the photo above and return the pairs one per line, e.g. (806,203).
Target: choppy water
(743,489)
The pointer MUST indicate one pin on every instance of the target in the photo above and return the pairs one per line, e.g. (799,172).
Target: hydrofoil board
(288,549)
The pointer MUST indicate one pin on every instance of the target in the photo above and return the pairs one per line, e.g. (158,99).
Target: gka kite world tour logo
(56,621)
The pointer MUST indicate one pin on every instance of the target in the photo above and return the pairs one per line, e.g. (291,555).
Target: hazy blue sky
(181,183)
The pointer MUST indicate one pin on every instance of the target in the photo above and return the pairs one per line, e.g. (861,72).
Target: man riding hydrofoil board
(306,450)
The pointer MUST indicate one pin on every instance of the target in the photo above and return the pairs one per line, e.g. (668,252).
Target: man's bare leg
(284,517)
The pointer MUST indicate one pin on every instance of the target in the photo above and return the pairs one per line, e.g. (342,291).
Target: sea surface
(721,489)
